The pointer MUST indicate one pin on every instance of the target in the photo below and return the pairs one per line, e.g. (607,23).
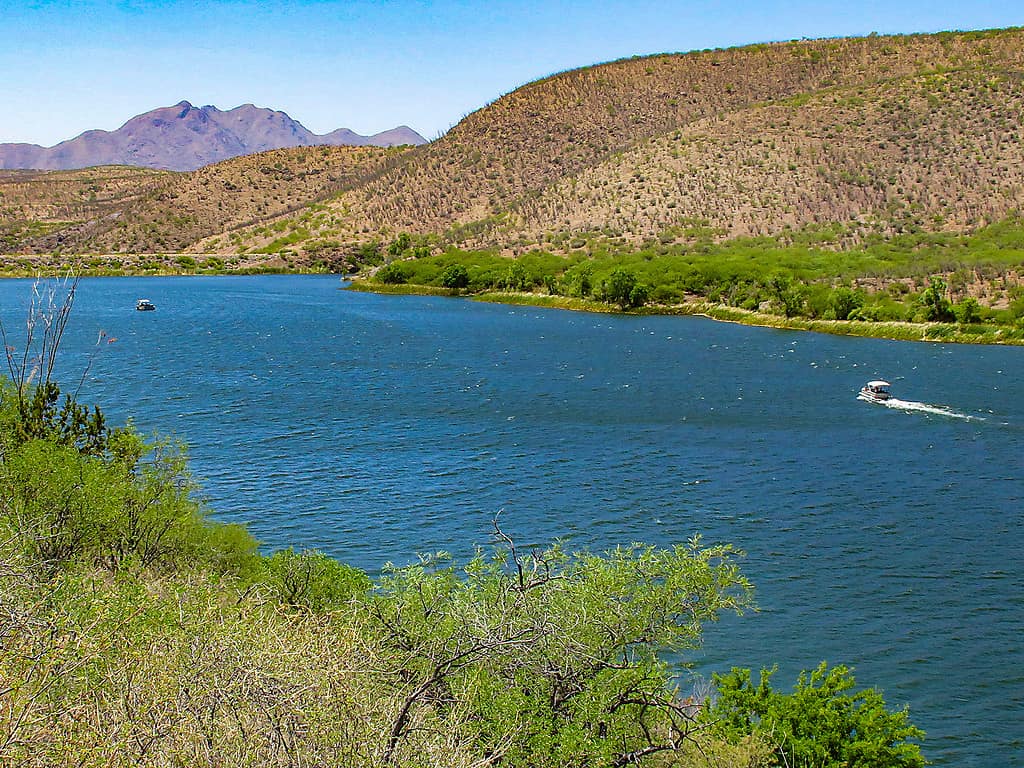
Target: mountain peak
(183,137)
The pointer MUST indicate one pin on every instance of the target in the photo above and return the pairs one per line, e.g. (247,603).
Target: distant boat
(875,392)
(145,305)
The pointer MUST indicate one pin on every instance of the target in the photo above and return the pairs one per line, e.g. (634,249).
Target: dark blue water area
(377,427)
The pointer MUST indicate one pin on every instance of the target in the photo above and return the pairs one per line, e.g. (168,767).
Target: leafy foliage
(394,273)
(822,723)
(936,306)
(455,276)
(564,651)
(312,580)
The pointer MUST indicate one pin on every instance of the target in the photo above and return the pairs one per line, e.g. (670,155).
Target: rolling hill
(119,209)
(876,135)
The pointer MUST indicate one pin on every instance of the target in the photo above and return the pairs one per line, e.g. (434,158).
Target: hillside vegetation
(750,139)
(891,132)
(770,178)
(119,209)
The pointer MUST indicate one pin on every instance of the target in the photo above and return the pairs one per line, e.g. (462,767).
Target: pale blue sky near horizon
(67,66)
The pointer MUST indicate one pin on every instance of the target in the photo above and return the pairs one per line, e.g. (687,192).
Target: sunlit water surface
(375,427)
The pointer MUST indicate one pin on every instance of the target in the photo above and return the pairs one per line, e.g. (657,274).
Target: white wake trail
(937,410)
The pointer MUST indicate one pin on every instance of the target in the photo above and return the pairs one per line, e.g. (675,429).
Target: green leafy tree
(516,278)
(639,295)
(367,253)
(455,277)
(968,311)
(556,658)
(399,245)
(843,301)
(789,296)
(934,302)
(394,273)
(1016,297)
(823,723)
(622,288)
(578,280)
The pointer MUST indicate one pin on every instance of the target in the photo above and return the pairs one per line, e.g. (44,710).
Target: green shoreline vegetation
(913,287)
(138,630)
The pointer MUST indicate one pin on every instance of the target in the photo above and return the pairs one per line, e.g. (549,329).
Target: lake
(376,427)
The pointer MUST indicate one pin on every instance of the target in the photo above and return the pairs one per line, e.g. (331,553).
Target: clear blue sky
(70,65)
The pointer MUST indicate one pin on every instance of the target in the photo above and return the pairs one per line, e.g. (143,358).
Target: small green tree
(843,301)
(622,288)
(367,253)
(394,273)
(516,278)
(455,277)
(968,311)
(822,723)
(934,302)
(399,245)
(789,296)
(577,280)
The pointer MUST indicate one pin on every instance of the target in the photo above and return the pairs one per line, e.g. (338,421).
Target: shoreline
(952,333)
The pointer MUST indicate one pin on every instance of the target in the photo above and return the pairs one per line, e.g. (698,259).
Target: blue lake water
(376,427)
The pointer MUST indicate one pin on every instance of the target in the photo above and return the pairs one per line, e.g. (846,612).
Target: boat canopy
(877,384)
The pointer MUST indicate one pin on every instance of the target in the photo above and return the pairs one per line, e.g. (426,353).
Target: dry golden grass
(119,209)
(501,158)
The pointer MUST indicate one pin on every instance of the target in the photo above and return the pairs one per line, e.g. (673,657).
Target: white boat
(875,391)
(145,305)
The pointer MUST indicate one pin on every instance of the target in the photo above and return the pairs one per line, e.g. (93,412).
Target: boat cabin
(876,390)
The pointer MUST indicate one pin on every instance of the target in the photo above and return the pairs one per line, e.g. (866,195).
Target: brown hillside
(35,204)
(560,126)
(942,151)
(883,132)
(147,211)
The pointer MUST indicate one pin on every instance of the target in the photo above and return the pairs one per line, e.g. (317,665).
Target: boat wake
(911,405)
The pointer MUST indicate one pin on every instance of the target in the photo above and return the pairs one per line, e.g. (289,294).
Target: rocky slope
(118,208)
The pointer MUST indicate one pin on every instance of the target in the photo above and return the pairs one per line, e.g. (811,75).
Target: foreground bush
(136,631)
(822,723)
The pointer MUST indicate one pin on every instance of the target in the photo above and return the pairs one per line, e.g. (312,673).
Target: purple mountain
(183,138)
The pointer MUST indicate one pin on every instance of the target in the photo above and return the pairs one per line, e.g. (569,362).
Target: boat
(145,305)
(875,392)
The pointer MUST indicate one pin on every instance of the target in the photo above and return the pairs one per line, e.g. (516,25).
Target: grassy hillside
(132,210)
(751,138)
